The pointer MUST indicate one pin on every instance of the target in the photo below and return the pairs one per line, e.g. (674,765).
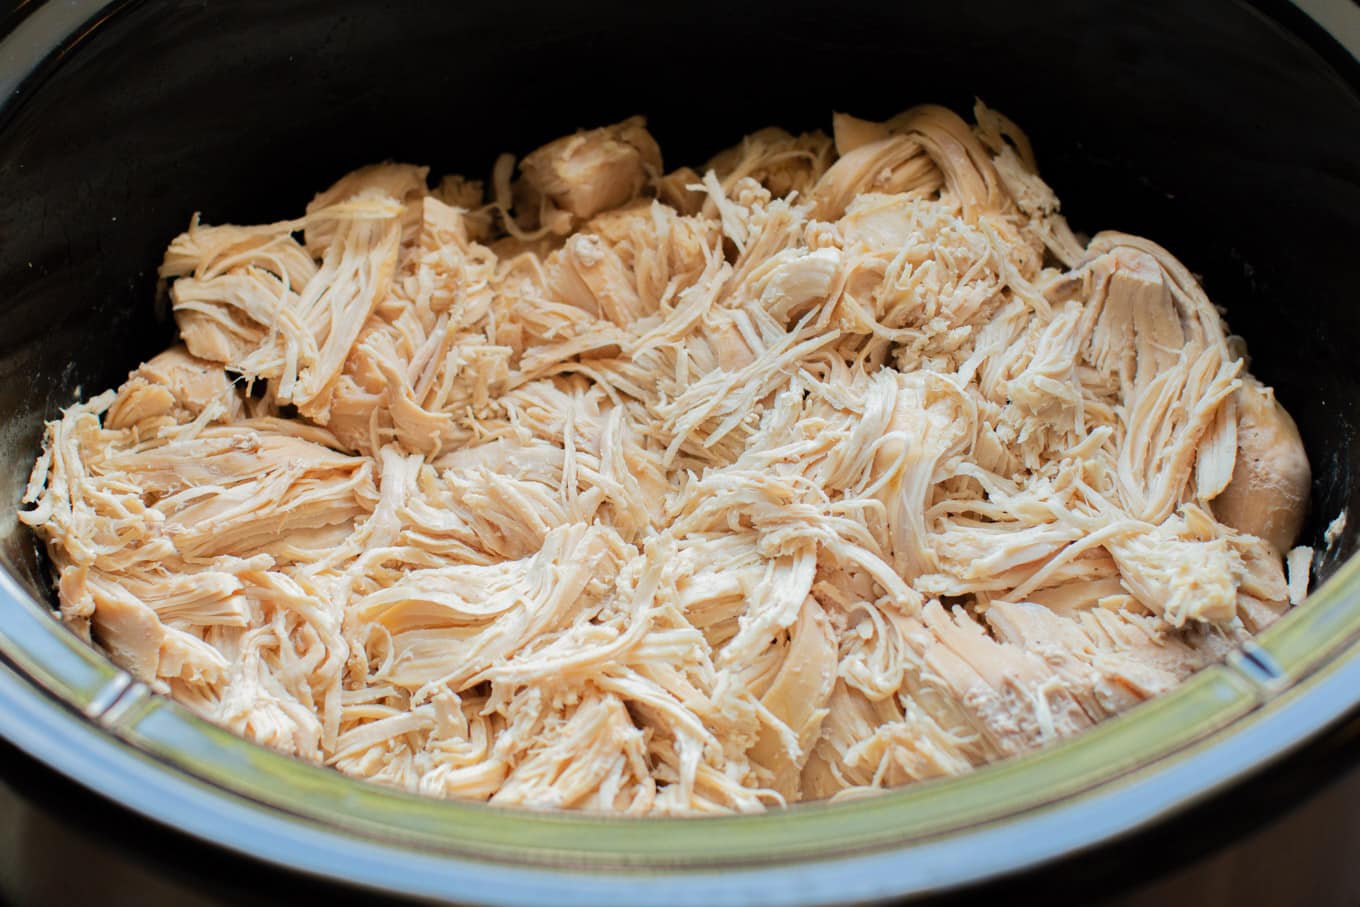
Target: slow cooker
(1228,130)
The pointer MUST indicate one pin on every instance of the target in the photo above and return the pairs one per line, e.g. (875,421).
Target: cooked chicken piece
(175,385)
(874,744)
(1111,660)
(851,132)
(970,176)
(796,701)
(1268,494)
(802,476)
(589,275)
(457,191)
(1009,695)
(595,170)
(677,189)
(782,163)
(403,183)
(665,254)
(894,165)
(254,322)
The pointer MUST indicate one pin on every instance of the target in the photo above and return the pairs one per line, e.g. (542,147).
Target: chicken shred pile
(841,464)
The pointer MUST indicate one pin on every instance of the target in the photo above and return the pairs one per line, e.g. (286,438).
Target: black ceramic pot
(1229,131)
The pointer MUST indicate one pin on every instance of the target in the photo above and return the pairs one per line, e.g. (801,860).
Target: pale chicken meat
(836,464)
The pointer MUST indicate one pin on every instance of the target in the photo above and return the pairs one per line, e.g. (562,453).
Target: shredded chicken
(836,464)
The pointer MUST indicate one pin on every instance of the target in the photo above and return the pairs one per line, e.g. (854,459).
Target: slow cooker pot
(1229,131)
